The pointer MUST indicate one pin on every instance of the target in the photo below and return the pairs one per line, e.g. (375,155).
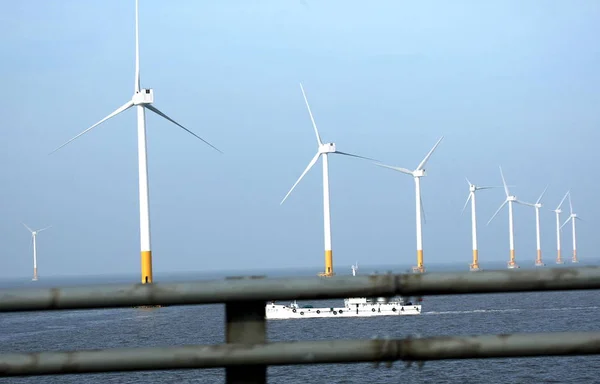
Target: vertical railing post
(245,324)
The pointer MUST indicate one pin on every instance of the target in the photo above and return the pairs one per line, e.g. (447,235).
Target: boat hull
(283,312)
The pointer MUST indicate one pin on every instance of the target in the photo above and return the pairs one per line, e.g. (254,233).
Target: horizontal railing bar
(253,289)
(293,353)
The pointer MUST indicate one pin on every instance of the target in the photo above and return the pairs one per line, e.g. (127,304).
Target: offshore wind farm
(474,246)
(148,143)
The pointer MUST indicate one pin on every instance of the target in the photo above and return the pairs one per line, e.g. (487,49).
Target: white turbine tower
(510,199)
(572,217)
(472,189)
(354,268)
(417,174)
(558,211)
(537,206)
(34,243)
(142,99)
(323,151)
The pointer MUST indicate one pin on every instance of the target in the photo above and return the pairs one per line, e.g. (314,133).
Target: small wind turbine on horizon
(323,150)
(537,206)
(417,174)
(558,211)
(142,98)
(572,217)
(472,189)
(354,268)
(510,199)
(34,243)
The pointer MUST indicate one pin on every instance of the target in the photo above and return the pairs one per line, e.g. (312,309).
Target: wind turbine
(142,99)
(417,174)
(323,150)
(510,199)
(472,188)
(537,206)
(354,268)
(572,217)
(558,211)
(33,242)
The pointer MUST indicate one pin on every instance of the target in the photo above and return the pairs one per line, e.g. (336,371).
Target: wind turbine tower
(558,211)
(323,150)
(472,189)
(572,217)
(510,199)
(417,174)
(34,243)
(537,206)
(142,99)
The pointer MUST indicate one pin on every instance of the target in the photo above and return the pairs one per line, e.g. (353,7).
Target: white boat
(353,307)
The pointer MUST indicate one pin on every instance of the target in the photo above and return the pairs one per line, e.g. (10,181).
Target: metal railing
(246,345)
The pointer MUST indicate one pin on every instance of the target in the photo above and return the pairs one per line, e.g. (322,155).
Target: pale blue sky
(508,83)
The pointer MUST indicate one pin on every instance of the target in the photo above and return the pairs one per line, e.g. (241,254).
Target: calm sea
(442,315)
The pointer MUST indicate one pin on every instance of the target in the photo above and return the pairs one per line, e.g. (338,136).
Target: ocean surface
(442,315)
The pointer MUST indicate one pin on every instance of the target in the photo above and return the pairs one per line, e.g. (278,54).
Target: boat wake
(508,310)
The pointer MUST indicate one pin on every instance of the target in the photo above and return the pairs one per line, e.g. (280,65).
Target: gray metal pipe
(261,289)
(292,353)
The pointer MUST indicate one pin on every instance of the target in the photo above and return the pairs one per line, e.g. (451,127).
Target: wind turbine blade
(310,165)
(563,199)
(570,204)
(122,108)
(566,221)
(489,187)
(43,229)
(579,218)
(159,113)
(137,50)
(466,202)
(503,204)
(468,181)
(424,161)
(542,195)
(350,154)
(504,182)
(311,116)
(30,230)
(403,170)
(524,203)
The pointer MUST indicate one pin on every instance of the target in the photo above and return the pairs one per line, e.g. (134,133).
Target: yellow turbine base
(146,267)
(574,260)
(328,265)
(538,260)
(511,262)
(475,265)
(559,259)
(420,268)
(35,276)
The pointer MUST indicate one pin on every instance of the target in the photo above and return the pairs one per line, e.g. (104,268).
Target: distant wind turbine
(558,211)
(34,243)
(472,189)
(142,99)
(510,199)
(417,174)
(572,217)
(323,150)
(537,206)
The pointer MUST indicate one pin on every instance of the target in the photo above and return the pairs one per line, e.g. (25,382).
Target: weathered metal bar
(210,292)
(245,324)
(293,353)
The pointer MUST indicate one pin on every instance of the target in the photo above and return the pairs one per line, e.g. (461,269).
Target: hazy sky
(508,83)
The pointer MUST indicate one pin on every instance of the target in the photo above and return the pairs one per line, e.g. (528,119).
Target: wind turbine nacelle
(419,173)
(144,96)
(511,198)
(327,148)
